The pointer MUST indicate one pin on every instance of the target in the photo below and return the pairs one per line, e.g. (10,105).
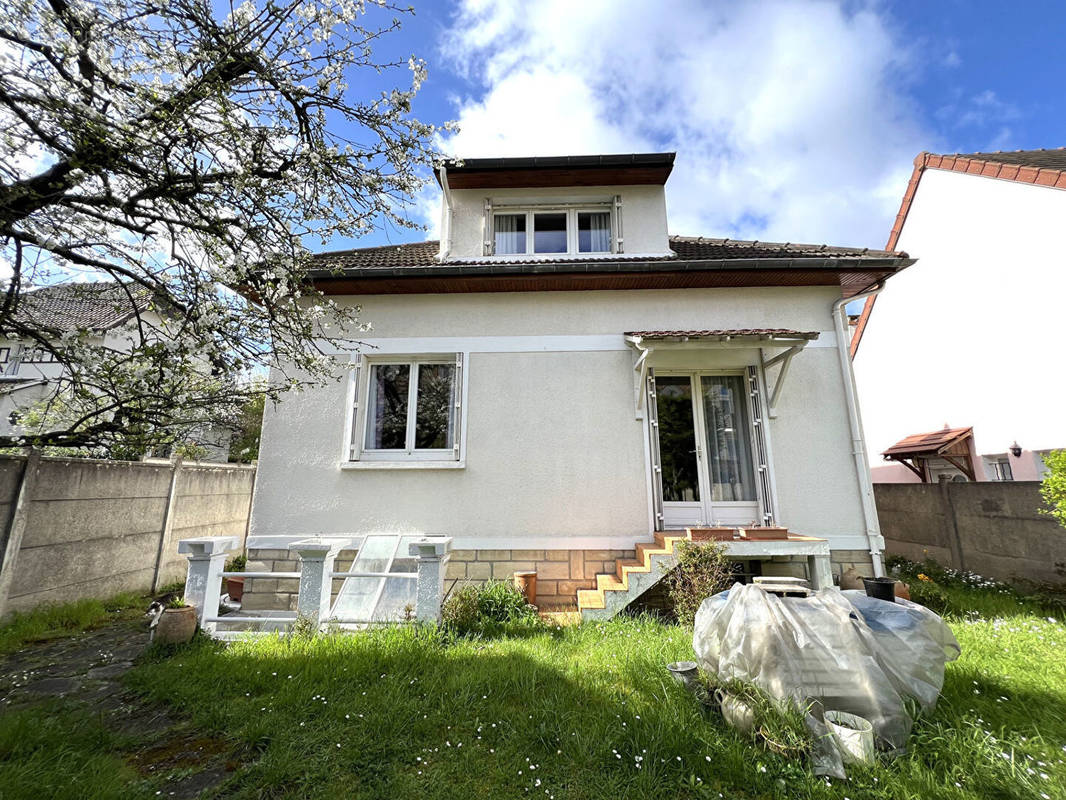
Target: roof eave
(839,264)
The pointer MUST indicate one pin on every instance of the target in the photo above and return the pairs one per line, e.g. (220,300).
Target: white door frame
(680,514)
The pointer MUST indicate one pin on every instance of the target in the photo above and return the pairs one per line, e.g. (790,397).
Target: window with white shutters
(407,408)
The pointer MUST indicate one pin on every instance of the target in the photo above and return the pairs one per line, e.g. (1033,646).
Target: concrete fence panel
(80,528)
(995,529)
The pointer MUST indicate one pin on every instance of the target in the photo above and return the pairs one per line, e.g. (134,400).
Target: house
(100,312)
(970,332)
(950,454)
(558,380)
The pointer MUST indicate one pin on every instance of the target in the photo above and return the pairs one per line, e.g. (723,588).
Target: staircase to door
(631,578)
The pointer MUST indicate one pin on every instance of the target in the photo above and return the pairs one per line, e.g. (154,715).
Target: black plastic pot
(881,588)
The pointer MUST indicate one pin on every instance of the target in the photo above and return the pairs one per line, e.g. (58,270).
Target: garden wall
(81,528)
(995,529)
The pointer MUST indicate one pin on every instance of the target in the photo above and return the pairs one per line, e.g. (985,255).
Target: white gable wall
(970,335)
(554,453)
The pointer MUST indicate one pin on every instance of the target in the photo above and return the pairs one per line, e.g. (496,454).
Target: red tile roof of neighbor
(693,261)
(1039,167)
(928,443)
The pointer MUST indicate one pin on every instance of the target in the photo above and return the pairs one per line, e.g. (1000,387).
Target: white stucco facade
(555,453)
(968,335)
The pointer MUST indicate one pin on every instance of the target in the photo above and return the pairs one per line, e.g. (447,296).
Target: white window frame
(356,454)
(571,212)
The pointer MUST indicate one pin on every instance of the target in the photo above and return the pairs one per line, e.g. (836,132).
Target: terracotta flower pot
(903,590)
(235,588)
(711,534)
(176,626)
(851,579)
(526,583)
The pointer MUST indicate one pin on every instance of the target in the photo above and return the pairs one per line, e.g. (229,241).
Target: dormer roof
(538,172)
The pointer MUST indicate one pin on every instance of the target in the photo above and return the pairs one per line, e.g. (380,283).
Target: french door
(709,456)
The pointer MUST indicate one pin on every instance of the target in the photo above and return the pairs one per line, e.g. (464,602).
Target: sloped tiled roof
(685,248)
(81,306)
(926,443)
(724,333)
(699,247)
(1044,158)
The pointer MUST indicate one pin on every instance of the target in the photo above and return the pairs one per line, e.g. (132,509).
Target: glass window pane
(510,232)
(594,232)
(549,233)
(435,413)
(677,439)
(386,413)
(725,404)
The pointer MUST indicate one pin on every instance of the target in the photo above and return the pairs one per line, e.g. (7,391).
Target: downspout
(446,223)
(858,444)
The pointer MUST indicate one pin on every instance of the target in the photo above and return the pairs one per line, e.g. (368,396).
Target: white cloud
(788,118)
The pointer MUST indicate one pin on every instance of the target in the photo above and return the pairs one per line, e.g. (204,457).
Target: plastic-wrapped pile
(854,653)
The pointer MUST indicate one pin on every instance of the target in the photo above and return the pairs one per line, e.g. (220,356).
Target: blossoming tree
(192,154)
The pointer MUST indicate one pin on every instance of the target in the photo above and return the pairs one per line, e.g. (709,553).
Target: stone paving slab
(86,670)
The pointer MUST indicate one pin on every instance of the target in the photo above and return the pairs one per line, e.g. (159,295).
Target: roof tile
(684,248)
(81,306)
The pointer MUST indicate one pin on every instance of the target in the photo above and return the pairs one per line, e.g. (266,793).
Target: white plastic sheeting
(853,653)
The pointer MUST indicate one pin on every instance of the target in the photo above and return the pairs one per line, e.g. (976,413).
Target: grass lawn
(584,712)
(52,622)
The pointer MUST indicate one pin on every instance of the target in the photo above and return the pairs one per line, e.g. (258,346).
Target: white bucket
(853,736)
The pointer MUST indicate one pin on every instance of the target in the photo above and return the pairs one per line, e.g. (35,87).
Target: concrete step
(589,599)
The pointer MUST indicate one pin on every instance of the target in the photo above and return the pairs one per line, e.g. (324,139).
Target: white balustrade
(207,557)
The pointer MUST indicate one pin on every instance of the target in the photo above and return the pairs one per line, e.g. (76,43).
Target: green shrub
(488,608)
(237,563)
(1053,487)
(702,570)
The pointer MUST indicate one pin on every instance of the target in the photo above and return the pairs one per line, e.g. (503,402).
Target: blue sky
(794,120)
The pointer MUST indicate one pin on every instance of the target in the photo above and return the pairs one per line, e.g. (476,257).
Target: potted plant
(235,586)
(177,623)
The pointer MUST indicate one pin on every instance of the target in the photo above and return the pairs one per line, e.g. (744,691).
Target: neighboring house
(558,379)
(971,332)
(950,454)
(947,454)
(100,311)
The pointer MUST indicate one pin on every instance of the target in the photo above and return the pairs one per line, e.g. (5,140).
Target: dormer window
(554,230)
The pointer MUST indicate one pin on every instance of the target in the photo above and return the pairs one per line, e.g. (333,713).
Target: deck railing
(207,557)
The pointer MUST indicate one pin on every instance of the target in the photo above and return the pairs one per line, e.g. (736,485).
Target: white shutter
(487,244)
(355,438)
(653,450)
(619,240)
(758,427)
(457,399)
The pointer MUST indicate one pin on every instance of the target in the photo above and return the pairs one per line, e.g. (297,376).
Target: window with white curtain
(554,230)
(412,408)
(510,233)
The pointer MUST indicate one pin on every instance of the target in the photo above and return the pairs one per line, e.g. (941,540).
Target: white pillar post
(203,583)
(316,581)
(433,554)
(821,571)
